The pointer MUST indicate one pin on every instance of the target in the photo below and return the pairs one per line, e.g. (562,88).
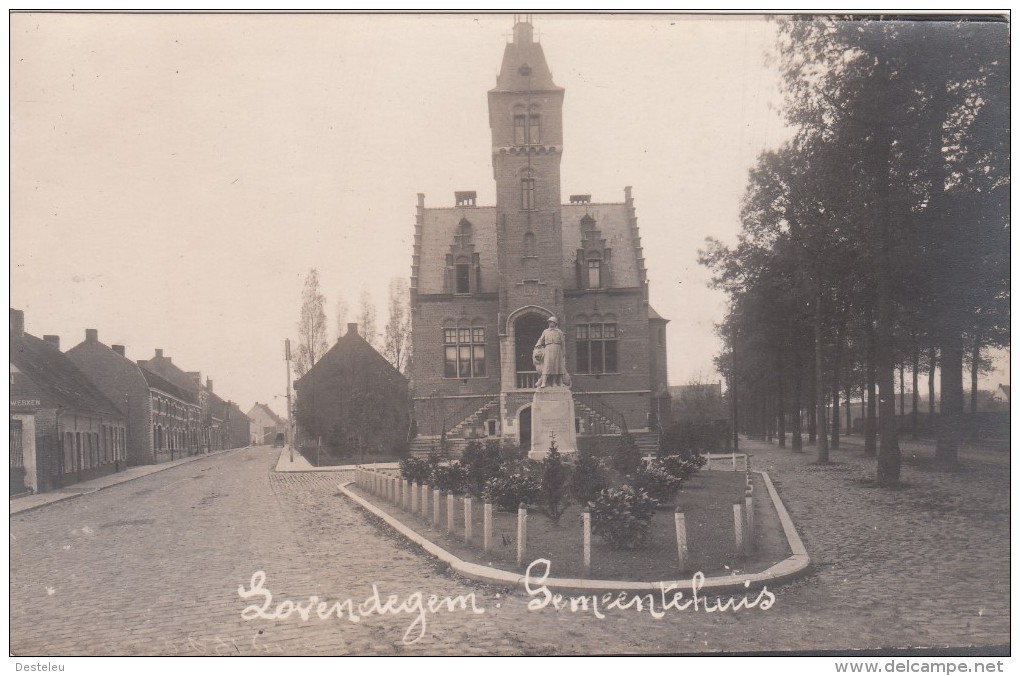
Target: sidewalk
(30,502)
(301,464)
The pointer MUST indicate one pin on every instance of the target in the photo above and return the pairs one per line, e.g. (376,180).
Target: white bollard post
(436,494)
(405,496)
(487,527)
(467,518)
(749,512)
(586,540)
(738,528)
(734,461)
(449,512)
(522,533)
(414,498)
(426,493)
(681,540)
(708,461)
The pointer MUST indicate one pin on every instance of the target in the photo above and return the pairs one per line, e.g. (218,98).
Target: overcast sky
(174,177)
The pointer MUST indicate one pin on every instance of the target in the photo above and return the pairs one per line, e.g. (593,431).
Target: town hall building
(486,279)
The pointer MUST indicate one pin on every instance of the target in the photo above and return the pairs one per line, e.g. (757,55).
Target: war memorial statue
(552,408)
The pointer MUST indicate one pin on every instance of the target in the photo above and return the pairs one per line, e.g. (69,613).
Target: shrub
(553,495)
(416,470)
(451,478)
(655,480)
(626,455)
(694,437)
(679,467)
(588,478)
(507,491)
(482,463)
(622,516)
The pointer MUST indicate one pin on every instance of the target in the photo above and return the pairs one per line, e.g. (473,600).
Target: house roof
(57,376)
(350,348)
(158,382)
(652,314)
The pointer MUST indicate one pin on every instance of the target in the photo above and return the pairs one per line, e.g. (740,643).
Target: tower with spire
(486,279)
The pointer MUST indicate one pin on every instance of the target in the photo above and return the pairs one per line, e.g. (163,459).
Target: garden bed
(707,503)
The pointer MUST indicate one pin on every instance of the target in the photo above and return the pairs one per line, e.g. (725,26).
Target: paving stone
(925,565)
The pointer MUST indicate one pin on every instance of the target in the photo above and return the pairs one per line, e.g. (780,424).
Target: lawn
(707,502)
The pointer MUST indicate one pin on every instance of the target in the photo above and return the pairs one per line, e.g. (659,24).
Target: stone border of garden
(793,566)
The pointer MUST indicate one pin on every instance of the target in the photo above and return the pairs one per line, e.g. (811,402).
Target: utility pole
(733,388)
(290,410)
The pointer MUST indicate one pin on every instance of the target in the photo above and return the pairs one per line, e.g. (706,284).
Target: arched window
(528,193)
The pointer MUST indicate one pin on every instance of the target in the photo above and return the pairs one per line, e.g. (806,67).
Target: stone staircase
(647,442)
(593,422)
(421,446)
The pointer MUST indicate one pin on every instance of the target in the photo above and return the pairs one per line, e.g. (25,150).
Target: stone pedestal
(552,412)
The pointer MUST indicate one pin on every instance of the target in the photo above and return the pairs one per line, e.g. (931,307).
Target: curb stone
(789,568)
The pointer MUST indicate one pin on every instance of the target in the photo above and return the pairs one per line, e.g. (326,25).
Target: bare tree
(312,326)
(341,316)
(397,334)
(366,320)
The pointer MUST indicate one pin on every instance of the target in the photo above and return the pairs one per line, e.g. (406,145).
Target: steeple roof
(524,67)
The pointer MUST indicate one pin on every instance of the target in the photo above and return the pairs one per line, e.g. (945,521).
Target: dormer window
(463,278)
(594,274)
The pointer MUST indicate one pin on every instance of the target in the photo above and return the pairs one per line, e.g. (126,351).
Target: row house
(64,429)
(239,425)
(89,411)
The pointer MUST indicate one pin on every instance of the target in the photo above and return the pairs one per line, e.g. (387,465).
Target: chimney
(159,353)
(91,336)
(352,328)
(208,384)
(119,349)
(17,321)
(52,340)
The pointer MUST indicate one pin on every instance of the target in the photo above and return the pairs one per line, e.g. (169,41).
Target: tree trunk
(812,409)
(780,401)
(837,358)
(917,397)
(797,444)
(888,451)
(951,411)
(932,356)
(822,449)
(903,401)
(849,413)
(870,423)
(975,364)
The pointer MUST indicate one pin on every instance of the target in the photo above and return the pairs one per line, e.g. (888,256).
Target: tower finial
(522,29)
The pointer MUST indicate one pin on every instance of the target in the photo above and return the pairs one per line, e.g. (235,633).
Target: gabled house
(63,428)
(354,400)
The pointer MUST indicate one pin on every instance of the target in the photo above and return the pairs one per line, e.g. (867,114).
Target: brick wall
(123,384)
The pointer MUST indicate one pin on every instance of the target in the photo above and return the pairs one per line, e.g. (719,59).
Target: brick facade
(484,280)
(79,433)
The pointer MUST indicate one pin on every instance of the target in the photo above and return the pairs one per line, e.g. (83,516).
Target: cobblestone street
(153,566)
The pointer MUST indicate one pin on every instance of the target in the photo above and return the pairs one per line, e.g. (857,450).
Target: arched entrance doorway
(524,425)
(527,330)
